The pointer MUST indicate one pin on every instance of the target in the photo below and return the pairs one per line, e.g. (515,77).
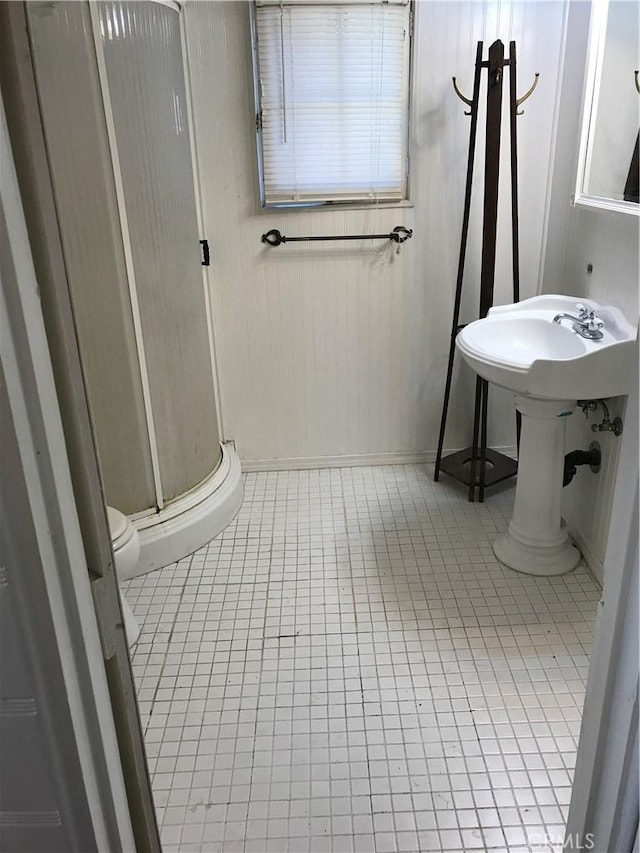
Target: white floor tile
(348,668)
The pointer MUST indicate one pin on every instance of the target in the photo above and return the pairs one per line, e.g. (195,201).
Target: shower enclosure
(114,100)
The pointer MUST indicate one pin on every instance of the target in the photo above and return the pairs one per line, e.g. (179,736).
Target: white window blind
(333,89)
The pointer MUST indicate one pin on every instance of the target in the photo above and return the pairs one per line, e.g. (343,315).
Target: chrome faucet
(586,324)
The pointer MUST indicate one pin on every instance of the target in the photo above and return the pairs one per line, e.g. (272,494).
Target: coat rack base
(498,467)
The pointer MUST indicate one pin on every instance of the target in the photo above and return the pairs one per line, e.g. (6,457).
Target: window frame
(362,204)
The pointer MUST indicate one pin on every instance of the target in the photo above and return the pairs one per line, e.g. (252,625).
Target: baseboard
(593,563)
(356,460)
(191,521)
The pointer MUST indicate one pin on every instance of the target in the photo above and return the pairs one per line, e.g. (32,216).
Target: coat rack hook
(467,101)
(527,94)
(635,74)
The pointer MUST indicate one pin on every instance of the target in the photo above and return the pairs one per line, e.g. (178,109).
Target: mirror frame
(595,57)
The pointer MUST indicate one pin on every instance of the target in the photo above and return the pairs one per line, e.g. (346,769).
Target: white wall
(578,237)
(338,350)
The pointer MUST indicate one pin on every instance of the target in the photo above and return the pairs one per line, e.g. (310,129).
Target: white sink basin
(519,348)
(549,366)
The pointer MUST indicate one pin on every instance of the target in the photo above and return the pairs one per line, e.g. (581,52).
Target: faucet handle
(583,311)
(594,322)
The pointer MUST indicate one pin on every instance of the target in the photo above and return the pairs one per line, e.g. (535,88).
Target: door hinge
(259,121)
(108,613)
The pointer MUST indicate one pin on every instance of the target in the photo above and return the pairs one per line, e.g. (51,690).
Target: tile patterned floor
(348,668)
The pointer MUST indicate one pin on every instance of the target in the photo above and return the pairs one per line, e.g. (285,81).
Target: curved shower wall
(146,88)
(113,100)
(79,159)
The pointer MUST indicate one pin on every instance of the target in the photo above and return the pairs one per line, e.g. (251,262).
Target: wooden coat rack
(478,466)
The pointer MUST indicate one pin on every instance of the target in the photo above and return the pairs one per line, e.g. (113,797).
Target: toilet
(126,552)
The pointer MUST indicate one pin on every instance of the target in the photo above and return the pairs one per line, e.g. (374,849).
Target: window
(332,92)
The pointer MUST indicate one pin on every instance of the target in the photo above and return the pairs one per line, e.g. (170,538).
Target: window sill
(327,206)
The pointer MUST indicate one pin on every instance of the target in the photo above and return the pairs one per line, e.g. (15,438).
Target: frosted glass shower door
(86,204)
(144,64)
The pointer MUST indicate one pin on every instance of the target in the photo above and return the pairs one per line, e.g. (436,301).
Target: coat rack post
(479,466)
(463,247)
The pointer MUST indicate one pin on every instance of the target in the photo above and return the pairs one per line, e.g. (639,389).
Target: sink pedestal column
(536,541)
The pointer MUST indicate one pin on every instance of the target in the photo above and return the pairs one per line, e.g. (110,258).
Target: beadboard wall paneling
(341,348)
(609,242)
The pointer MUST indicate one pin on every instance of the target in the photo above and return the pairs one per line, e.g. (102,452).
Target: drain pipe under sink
(591,457)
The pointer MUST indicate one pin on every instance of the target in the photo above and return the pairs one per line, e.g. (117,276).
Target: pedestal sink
(549,366)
